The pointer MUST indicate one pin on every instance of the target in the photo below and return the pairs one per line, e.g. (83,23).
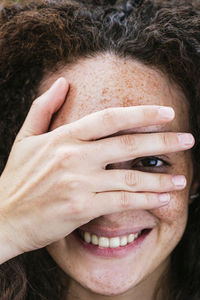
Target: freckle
(105,102)
(105,91)
(130,85)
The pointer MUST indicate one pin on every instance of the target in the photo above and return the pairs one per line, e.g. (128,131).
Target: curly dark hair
(39,37)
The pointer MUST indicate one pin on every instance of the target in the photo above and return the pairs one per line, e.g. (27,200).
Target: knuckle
(124,199)
(77,207)
(164,181)
(131,178)
(165,140)
(109,117)
(161,180)
(147,113)
(150,113)
(73,184)
(65,157)
(129,142)
(150,199)
(64,132)
(57,135)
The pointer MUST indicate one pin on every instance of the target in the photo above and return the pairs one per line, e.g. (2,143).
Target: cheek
(175,213)
(177,209)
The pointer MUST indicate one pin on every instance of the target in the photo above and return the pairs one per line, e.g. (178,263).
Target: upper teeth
(105,242)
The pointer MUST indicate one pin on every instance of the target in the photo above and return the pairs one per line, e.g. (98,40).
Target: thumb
(43,108)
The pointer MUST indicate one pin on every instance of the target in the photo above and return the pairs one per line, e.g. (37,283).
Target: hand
(56,181)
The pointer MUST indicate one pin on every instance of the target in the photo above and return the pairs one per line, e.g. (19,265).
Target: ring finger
(136,181)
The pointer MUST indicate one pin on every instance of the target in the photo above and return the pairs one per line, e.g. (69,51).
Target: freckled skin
(96,84)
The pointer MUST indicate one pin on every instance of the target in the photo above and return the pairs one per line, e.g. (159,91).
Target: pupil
(149,162)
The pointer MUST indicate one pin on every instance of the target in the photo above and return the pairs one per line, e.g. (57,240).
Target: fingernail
(179,181)
(185,139)
(166,112)
(164,198)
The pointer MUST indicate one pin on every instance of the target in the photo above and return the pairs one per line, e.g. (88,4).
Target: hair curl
(40,36)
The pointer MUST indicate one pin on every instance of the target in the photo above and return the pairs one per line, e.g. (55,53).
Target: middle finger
(127,147)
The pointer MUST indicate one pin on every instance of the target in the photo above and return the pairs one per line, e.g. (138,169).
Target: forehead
(108,81)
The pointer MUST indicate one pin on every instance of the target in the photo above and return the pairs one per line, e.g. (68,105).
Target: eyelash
(148,158)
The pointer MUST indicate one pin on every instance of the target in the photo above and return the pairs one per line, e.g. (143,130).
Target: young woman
(99,193)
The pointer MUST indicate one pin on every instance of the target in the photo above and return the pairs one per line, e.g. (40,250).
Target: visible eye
(150,163)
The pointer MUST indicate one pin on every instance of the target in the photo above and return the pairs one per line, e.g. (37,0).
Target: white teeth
(105,242)
(131,238)
(123,241)
(87,237)
(95,239)
(114,242)
(136,235)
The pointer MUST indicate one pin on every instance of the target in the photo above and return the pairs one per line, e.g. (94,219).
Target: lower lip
(112,252)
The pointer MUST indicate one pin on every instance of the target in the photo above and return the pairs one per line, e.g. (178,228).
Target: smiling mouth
(110,242)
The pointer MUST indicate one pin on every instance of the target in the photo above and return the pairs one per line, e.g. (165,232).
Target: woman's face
(96,84)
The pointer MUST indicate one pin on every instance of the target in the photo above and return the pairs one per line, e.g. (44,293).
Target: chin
(112,274)
(109,279)
(108,284)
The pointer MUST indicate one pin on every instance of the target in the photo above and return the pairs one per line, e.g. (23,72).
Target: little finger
(115,202)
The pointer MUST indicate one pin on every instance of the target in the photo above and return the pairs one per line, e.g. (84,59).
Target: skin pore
(96,84)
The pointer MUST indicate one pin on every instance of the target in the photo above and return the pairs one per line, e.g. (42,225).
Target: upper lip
(108,232)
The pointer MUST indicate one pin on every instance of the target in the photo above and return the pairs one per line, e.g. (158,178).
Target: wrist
(7,248)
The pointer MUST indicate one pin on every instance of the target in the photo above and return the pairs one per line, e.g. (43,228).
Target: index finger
(111,120)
